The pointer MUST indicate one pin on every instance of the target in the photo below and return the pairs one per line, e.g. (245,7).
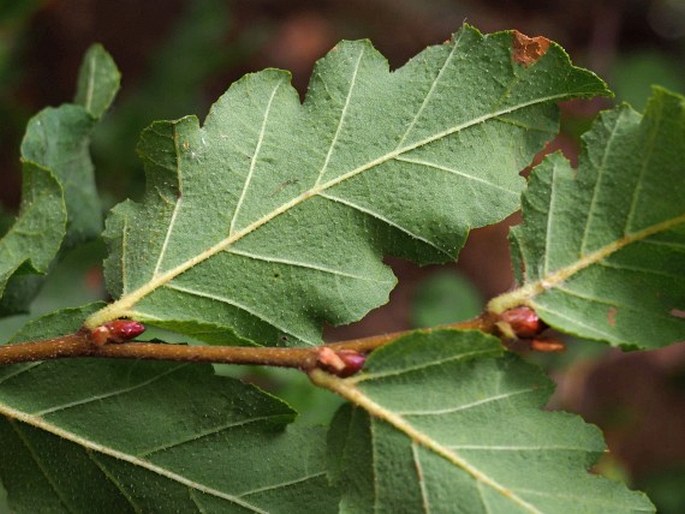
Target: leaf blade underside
(59,137)
(603,246)
(474,440)
(36,235)
(150,437)
(273,217)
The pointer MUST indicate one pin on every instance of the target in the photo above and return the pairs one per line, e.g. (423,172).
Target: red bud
(524,321)
(116,331)
(354,361)
(342,363)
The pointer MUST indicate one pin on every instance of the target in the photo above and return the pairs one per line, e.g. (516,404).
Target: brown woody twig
(84,344)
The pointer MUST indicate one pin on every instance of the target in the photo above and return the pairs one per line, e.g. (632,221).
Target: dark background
(177,56)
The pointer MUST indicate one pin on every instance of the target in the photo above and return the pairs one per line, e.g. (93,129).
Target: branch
(336,357)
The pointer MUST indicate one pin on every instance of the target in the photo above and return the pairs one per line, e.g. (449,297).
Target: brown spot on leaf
(528,50)
(678,313)
(611,316)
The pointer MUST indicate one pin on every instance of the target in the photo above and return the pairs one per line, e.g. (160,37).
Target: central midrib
(526,293)
(350,392)
(121,307)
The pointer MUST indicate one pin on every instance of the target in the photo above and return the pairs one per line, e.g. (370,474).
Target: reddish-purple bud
(116,331)
(354,361)
(524,321)
(342,363)
(124,329)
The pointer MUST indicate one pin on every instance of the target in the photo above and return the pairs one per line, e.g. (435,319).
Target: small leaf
(58,139)
(273,217)
(603,246)
(98,81)
(443,422)
(65,210)
(136,436)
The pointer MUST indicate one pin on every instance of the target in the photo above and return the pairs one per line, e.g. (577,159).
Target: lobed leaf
(115,436)
(273,217)
(443,422)
(603,247)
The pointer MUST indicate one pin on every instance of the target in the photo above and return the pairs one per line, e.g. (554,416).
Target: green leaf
(273,217)
(35,237)
(137,436)
(603,246)
(443,422)
(98,81)
(58,139)
(60,205)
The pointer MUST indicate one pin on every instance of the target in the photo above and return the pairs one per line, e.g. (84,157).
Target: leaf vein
(167,237)
(637,269)
(549,227)
(306,265)
(287,483)
(526,293)
(518,448)
(647,154)
(605,335)
(467,406)
(382,218)
(110,394)
(364,377)
(253,160)
(595,192)
(114,482)
(420,477)
(341,121)
(238,305)
(39,463)
(431,90)
(348,391)
(22,369)
(42,424)
(203,434)
(456,172)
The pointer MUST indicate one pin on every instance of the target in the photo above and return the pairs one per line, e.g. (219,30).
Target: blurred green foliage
(75,280)
(445,297)
(666,489)
(635,73)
